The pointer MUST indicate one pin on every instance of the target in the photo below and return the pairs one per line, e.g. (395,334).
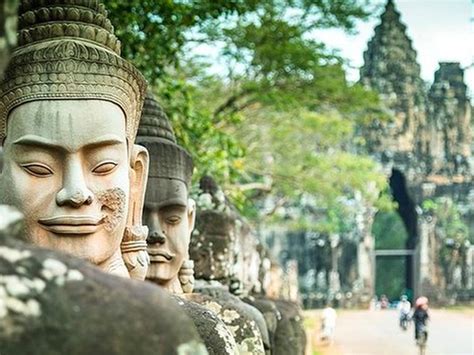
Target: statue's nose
(74,191)
(156,237)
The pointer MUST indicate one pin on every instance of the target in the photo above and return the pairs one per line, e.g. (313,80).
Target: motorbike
(404,319)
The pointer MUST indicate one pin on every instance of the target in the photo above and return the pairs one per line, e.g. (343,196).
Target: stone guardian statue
(214,250)
(170,214)
(69,112)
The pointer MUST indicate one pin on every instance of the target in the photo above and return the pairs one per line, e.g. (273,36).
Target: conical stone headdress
(168,160)
(68,50)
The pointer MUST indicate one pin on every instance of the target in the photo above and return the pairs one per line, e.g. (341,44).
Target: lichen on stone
(13,255)
(214,307)
(225,334)
(114,206)
(230,315)
(191,348)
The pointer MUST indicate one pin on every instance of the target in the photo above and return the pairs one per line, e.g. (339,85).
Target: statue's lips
(71,224)
(160,255)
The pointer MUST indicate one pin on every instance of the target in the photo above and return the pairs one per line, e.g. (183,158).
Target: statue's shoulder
(213,331)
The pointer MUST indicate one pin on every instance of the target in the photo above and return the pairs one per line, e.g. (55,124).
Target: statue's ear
(191,214)
(139,162)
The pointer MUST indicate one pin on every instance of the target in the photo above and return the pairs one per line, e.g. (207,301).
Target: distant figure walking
(328,324)
(420,317)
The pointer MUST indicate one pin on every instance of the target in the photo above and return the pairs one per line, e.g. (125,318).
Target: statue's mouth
(71,224)
(160,255)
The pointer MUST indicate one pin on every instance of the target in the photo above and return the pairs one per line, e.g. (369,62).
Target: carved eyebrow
(37,141)
(169,207)
(178,203)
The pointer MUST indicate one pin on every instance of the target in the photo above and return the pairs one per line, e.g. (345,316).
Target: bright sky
(441,30)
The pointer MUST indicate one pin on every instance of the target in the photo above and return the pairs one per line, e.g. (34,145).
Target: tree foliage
(154,32)
(279,119)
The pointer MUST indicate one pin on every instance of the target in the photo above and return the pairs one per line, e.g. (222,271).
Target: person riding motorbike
(404,308)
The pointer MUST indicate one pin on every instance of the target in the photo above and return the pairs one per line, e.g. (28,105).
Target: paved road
(377,333)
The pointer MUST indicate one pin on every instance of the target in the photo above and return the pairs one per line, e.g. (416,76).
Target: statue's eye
(38,170)
(173,220)
(104,168)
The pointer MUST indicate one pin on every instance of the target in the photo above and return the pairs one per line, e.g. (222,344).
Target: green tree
(282,119)
(389,231)
(154,32)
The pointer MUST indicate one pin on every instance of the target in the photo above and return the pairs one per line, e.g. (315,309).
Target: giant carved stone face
(67,168)
(170,222)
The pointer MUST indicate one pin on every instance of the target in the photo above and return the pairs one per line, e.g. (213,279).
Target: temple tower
(449,119)
(391,69)
(425,147)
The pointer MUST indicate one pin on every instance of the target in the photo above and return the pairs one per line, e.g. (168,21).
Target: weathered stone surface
(270,313)
(449,122)
(238,316)
(290,336)
(54,304)
(169,214)
(67,36)
(429,136)
(390,68)
(66,77)
(215,334)
(214,248)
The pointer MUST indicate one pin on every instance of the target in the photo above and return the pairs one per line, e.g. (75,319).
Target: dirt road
(377,333)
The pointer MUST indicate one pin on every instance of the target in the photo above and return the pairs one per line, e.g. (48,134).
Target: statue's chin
(160,273)
(97,248)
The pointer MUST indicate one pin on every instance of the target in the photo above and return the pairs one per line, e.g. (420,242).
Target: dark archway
(406,207)
(407,211)
(395,242)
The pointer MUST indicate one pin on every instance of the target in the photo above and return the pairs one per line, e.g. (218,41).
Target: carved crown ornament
(68,51)
(169,160)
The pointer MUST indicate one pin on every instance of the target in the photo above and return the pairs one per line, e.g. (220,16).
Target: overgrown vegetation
(453,234)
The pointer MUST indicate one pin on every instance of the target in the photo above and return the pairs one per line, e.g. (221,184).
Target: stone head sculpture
(248,258)
(69,112)
(168,212)
(213,244)
(275,284)
(264,269)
